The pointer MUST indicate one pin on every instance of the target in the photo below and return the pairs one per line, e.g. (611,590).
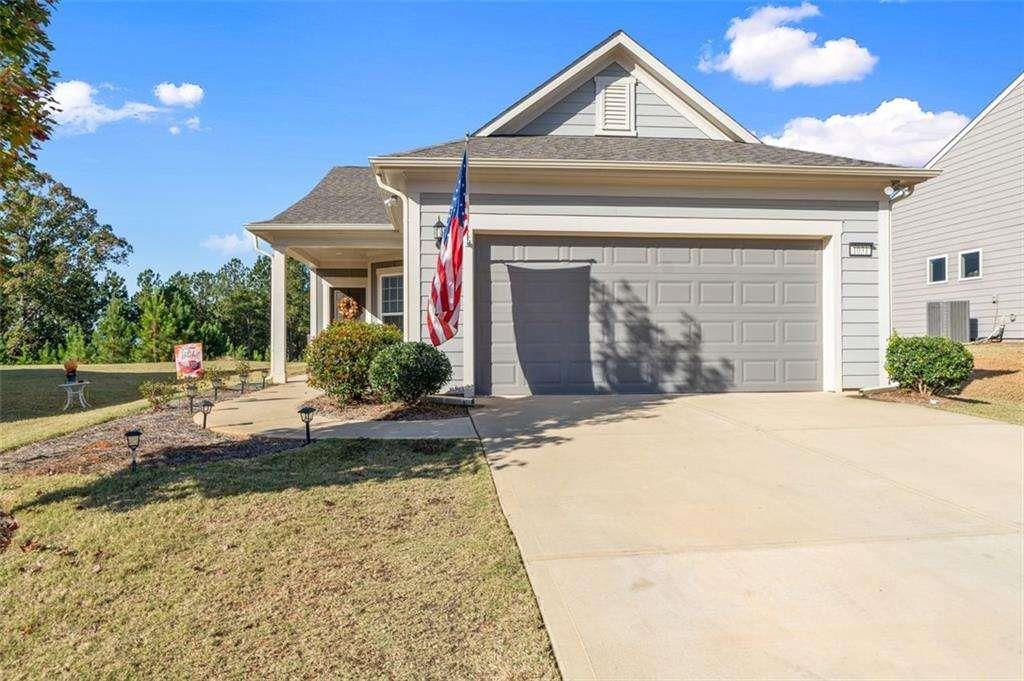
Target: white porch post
(278,343)
(314,303)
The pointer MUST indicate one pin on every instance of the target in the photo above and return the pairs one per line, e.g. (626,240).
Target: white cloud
(174,130)
(763,48)
(898,131)
(78,111)
(229,244)
(186,94)
(192,123)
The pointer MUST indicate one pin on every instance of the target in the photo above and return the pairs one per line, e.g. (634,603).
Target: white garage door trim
(830,231)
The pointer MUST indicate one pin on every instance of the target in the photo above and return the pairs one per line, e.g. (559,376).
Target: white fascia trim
(901,173)
(977,119)
(690,94)
(578,71)
(317,226)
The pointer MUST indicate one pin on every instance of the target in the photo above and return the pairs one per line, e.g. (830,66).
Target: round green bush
(928,364)
(338,359)
(409,371)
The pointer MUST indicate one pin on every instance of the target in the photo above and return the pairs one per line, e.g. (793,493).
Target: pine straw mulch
(169,437)
(393,411)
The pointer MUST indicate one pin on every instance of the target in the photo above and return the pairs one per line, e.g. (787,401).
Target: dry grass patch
(353,559)
(995,389)
(30,401)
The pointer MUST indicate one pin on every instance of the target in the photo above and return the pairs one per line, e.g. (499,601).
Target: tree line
(60,297)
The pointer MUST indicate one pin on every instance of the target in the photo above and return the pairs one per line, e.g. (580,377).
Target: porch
(345,233)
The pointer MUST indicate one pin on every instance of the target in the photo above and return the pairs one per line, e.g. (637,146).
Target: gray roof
(631,149)
(348,195)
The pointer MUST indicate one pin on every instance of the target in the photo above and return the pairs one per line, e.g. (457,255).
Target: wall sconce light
(439,228)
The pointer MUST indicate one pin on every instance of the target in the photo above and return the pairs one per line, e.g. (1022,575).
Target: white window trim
(928,269)
(960,265)
(379,292)
(600,83)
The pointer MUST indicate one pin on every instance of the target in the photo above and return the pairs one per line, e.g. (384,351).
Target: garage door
(636,315)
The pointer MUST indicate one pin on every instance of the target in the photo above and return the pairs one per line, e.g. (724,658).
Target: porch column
(278,344)
(314,304)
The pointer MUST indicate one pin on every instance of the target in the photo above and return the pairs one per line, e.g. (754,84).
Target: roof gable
(1017,83)
(559,94)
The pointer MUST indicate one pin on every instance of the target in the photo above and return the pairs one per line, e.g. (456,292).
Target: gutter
(388,204)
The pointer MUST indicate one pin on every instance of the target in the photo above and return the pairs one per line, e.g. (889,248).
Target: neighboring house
(627,236)
(961,236)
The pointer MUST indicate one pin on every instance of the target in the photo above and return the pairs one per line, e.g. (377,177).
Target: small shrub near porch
(339,358)
(408,372)
(928,364)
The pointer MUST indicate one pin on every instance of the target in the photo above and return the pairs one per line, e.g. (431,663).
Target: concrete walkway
(273,412)
(765,536)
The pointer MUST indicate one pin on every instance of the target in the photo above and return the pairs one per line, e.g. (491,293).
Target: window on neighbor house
(391,293)
(937,269)
(970,264)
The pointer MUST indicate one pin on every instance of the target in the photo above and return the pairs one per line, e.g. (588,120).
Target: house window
(970,264)
(391,299)
(937,269)
(616,106)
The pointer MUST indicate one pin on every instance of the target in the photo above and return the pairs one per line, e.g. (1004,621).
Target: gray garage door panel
(602,314)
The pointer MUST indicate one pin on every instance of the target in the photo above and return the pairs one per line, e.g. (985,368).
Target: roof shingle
(631,149)
(348,195)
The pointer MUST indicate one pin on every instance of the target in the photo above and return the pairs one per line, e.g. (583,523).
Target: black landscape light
(217,383)
(243,379)
(206,406)
(306,414)
(263,378)
(190,391)
(132,438)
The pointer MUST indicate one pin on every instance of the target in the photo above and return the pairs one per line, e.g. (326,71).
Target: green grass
(352,559)
(30,402)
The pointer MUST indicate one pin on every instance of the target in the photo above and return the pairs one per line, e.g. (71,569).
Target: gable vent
(616,106)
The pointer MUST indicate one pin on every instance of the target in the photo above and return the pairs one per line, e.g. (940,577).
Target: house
(627,236)
(961,236)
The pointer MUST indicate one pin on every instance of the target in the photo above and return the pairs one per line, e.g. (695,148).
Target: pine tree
(75,346)
(156,329)
(114,337)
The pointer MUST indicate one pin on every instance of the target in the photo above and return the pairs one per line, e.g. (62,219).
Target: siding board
(977,202)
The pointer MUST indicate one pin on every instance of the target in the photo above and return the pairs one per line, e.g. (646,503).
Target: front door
(356,293)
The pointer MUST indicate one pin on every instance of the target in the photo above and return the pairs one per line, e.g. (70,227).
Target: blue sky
(290,89)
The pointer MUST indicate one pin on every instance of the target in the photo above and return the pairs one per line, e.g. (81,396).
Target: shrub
(409,371)
(338,359)
(928,364)
(158,393)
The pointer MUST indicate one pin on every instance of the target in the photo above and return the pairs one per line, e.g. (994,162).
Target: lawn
(30,402)
(995,389)
(354,559)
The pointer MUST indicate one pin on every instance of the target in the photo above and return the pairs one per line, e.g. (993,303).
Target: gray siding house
(961,235)
(627,235)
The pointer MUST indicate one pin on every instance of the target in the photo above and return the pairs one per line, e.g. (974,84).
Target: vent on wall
(950,318)
(616,106)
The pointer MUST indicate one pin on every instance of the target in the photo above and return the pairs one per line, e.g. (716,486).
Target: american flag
(446,287)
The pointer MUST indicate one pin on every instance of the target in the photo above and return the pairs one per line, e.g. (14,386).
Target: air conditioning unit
(950,318)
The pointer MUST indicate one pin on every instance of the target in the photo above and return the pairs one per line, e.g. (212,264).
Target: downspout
(895,192)
(256,245)
(396,196)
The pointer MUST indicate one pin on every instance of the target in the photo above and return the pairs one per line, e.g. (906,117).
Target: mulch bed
(395,411)
(169,437)
(910,397)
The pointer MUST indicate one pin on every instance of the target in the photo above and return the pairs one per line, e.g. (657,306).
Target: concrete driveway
(765,536)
